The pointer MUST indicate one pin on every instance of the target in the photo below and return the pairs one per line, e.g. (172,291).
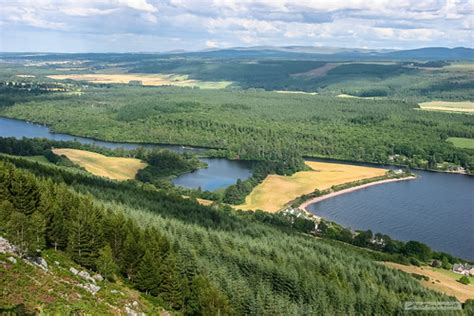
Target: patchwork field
(116,168)
(462,142)
(440,280)
(465,106)
(275,191)
(145,79)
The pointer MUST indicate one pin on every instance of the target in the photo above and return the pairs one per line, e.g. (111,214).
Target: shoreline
(304,206)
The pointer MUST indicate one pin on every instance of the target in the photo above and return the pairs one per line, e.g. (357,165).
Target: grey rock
(39,261)
(6,246)
(98,277)
(86,276)
(73,270)
(135,304)
(130,312)
(92,288)
(12,260)
(56,263)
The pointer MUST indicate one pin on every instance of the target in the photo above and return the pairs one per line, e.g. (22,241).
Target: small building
(463,269)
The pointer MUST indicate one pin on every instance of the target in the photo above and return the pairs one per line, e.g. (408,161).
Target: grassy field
(462,142)
(275,191)
(465,106)
(116,168)
(440,280)
(145,79)
(58,291)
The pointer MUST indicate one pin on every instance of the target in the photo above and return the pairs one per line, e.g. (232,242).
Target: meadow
(464,107)
(276,191)
(116,168)
(144,79)
(440,280)
(462,142)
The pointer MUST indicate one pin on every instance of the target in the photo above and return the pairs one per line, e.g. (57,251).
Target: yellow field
(440,280)
(356,97)
(145,79)
(275,191)
(465,106)
(295,92)
(116,168)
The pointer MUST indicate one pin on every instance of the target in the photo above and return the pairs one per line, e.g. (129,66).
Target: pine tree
(37,227)
(24,193)
(5,180)
(56,228)
(85,234)
(132,253)
(105,263)
(27,233)
(148,274)
(171,287)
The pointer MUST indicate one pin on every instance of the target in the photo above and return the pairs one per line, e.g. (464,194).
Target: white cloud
(211,44)
(198,24)
(140,5)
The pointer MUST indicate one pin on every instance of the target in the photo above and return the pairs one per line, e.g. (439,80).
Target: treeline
(36,214)
(411,252)
(260,268)
(164,164)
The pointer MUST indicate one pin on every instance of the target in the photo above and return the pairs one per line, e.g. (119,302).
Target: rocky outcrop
(6,246)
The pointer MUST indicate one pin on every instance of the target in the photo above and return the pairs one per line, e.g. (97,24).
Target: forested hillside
(194,259)
(257,125)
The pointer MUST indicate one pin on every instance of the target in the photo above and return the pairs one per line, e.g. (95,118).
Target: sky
(166,25)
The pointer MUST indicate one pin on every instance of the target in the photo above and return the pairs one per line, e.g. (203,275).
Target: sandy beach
(305,204)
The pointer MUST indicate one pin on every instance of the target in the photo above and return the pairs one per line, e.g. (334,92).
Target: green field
(462,142)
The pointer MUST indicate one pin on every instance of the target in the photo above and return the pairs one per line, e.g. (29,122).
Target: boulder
(92,288)
(73,270)
(86,276)
(40,262)
(12,260)
(6,247)
(98,277)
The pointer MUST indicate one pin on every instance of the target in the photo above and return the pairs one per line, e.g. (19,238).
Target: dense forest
(210,259)
(258,125)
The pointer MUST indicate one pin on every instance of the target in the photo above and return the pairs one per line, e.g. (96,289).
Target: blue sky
(163,25)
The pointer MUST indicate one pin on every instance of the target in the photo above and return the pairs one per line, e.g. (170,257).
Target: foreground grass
(145,79)
(465,106)
(57,291)
(116,168)
(275,191)
(462,142)
(439,280)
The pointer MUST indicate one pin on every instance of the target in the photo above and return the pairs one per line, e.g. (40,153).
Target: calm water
(436,208)
(219,174)
(223,173)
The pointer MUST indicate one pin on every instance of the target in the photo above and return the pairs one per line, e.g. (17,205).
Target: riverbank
(305,204)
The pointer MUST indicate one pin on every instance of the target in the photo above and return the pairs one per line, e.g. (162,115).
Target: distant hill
(337,54)
(279,52)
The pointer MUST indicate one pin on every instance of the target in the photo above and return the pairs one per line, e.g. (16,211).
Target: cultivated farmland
(116,168)
(275,191)
(145,79)
(465,106)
